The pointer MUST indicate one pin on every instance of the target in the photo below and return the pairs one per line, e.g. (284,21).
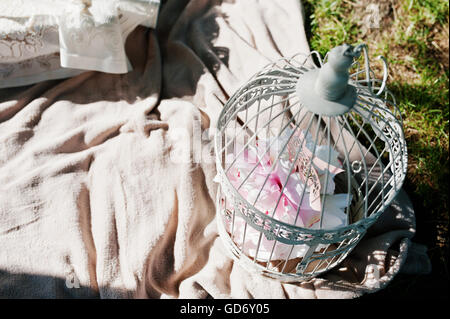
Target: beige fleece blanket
(101,196)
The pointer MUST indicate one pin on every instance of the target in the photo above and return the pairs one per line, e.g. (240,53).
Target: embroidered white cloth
(48,39)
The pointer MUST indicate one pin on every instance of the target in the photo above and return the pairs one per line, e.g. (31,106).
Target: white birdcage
(307,159)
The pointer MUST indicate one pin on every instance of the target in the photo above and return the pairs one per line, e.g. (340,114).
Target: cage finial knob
(326,90)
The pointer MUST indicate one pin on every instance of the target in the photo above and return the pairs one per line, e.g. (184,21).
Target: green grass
(413,36)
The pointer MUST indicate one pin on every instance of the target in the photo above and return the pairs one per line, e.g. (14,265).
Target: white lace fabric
(81,34)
